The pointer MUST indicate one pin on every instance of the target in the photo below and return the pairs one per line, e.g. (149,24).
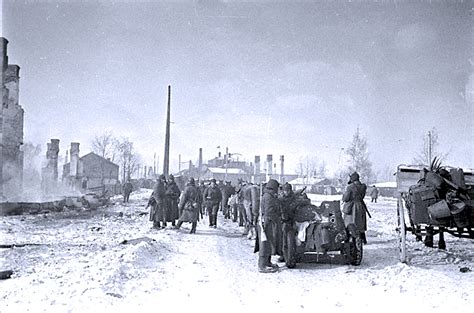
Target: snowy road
(76,261)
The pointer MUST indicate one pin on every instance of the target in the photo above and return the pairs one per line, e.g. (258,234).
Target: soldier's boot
(362,236)
(265,266)
(193,228)
(210,220)
(214,217)
(253,233)
(250,233)
(179,225)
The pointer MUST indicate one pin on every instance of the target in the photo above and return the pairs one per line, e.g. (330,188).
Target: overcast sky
(261,77)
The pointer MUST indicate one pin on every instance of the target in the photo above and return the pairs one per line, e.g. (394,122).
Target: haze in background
(258,77)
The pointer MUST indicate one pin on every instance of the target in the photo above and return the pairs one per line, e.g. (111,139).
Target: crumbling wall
(49,173)
(11,128)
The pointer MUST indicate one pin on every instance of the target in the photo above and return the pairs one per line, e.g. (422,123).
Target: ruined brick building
(11,128)
(90,173)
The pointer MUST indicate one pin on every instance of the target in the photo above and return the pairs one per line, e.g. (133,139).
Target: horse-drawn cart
(434,201)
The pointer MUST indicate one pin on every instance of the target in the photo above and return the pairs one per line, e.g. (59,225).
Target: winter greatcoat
(354,206)
(271,220)
(227,191)
(374,193)
(213,197)
(190,204)
(160,198)
(127,190)
(172,195)
(251,197)
(289,203)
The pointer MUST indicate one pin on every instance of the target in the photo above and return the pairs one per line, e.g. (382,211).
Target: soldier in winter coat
(374,194)
(213,197)
(227,191)
(202,188)
(127,190)
(239,209)
(271,228)
(354,208)
(156,214)
(190,205)
(289,203)
(172,195)
(251,196)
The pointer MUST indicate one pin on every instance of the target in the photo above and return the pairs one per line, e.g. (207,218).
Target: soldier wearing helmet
(213,197)
(271,228)
(289,203)
(190,205)
(172,196)
(156,214)
(354,208)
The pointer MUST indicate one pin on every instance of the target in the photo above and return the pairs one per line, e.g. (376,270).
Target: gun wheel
(356,250)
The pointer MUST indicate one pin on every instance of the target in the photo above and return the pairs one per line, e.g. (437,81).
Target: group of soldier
(164,202)
(270,223)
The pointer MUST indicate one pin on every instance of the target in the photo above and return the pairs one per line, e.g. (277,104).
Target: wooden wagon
(422,211)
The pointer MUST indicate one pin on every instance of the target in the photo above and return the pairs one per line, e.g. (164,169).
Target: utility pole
(166,162)
(429,147)
(226,161)
(154,165)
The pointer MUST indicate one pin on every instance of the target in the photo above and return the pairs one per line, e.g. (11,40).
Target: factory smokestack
(282,167)
(269,164)
(200,163)
(257,165)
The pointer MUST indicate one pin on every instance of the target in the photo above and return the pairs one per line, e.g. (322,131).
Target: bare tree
(322,169)
(307,167)
(359,158)
(129,160)
(105,145)
(430,149)
(387,173)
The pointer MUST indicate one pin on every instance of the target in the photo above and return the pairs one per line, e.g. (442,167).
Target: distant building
(11,127)
(233,174)
(93,173)
(308,182)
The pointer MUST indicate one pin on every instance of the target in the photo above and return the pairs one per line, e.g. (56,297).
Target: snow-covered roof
(388,184)
(410,168)
(219,170)
(305,181)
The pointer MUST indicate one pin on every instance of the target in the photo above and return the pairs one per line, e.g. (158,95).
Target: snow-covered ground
(77,261)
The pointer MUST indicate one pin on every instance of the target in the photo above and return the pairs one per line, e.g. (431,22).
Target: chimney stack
(54,157)
(74,164)
(257,165)
(282,165)
(269,164)
(200,163)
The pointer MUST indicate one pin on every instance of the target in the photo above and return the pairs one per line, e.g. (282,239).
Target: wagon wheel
(356,250)
(401,230)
